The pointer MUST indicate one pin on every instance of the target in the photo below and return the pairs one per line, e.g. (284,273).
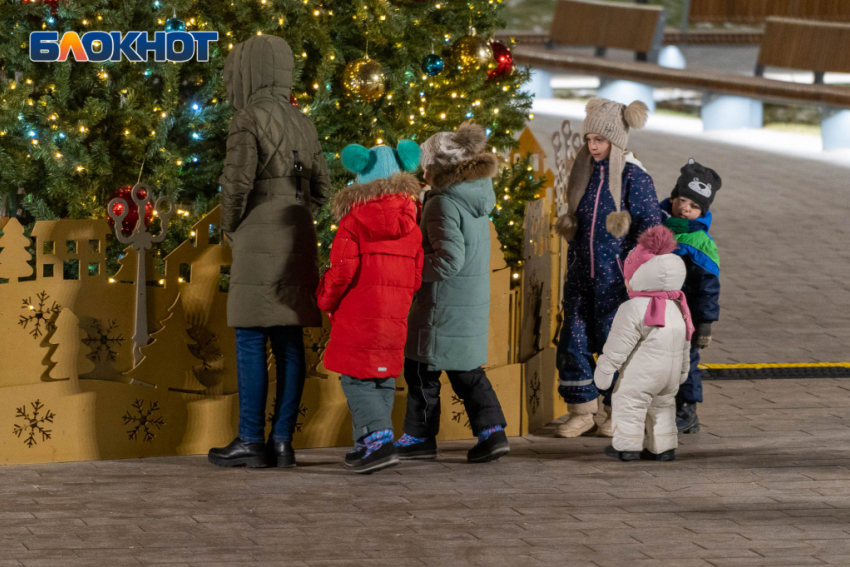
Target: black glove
(702,336)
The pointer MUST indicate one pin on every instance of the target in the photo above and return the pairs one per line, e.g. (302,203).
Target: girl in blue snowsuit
(610,202)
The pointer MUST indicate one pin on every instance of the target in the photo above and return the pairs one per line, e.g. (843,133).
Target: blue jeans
(253,373)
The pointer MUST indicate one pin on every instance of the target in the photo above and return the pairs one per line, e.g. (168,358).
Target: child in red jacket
(375,268)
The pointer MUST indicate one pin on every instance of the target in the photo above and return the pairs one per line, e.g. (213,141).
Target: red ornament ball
(292,100)
(503,61)
(129,222)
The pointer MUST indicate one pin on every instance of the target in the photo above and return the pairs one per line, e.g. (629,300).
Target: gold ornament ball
(470,53)
(363,79)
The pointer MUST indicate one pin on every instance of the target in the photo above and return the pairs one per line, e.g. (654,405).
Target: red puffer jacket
(376,266)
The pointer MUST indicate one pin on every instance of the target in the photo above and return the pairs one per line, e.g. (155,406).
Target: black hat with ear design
(697,183)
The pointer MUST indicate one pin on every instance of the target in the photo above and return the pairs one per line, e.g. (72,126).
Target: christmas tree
(72,133)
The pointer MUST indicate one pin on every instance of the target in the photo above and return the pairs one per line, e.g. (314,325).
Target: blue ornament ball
(174,24)
(432,65)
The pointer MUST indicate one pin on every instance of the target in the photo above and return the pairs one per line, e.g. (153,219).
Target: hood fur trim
(482,166)
(403,183)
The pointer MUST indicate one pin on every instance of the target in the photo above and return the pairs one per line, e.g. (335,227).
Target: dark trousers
(423,399)
(691,391)
(253,376)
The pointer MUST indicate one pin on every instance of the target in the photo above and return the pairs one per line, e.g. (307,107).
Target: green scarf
(699,240)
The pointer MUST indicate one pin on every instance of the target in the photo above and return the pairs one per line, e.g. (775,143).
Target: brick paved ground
(767,482)
(782,228)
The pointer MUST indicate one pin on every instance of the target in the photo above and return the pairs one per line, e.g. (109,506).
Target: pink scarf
(657,310)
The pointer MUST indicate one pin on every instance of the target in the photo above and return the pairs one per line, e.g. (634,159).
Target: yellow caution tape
(773,366)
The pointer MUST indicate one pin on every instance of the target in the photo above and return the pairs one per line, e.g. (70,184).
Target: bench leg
(672,58)
(540,84)
(835,128)
(725,112)
(626,92)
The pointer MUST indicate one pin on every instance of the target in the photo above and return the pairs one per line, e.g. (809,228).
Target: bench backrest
(605,25)
(757,11)
(806,45)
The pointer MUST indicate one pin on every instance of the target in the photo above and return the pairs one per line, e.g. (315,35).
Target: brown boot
(580,420)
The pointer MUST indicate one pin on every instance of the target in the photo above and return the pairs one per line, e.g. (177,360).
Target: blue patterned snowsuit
(595,288)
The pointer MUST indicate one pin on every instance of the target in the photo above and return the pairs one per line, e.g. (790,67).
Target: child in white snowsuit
(649,344)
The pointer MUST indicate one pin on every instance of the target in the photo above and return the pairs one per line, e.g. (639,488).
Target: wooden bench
(757,11)
(729,101)
(805,45)
(614,25)
(737,85)
(672,36)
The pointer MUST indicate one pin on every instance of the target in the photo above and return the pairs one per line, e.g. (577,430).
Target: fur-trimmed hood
(482,166)
(468,183)
(384,206)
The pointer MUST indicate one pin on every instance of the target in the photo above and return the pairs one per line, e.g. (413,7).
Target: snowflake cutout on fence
(34,423)
(205,348)
(316,340)
(102,342)
(143,421)
(40,315)
(302,412)
(458,415)
(534,396)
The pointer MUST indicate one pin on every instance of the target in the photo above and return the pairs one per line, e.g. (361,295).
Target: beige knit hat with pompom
(612,121)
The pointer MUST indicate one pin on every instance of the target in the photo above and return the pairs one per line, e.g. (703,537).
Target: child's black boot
(492,444)
(410,448)
(373,453)
(687,421)
(622,455)
(648,455)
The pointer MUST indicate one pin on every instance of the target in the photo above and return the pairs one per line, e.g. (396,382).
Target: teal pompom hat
(380,162)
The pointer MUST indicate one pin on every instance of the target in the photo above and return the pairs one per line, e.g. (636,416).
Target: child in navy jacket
(686,214)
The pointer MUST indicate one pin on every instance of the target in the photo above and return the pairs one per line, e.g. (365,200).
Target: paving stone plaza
(766,482)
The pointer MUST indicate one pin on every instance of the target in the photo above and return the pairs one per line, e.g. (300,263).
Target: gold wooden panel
(69,389)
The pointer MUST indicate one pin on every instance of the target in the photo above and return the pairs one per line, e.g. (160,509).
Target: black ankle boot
(381,458)
(240,454)
(622,455)
(686,418)
(490,449)
(669,455)
(418,451)
(281,454)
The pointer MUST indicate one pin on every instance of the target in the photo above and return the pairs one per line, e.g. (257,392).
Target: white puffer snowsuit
(653,362)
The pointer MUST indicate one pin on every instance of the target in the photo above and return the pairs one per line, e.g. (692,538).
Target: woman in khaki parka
(275,176)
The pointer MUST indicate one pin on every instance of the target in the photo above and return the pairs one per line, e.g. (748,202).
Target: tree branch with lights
(72,134)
